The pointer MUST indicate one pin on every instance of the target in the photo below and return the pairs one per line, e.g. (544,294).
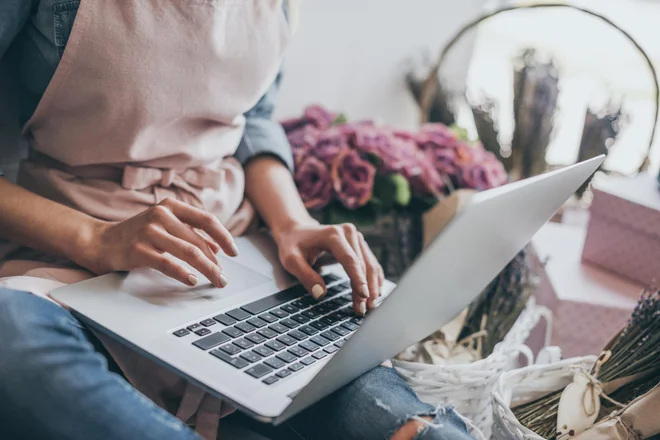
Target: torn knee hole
(412,428)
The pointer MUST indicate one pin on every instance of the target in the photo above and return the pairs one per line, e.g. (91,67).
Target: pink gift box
(589,305)
(624,228)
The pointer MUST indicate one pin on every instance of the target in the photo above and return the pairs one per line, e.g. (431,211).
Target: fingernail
(234,250)
(318,291)
(365,291)
(362,308)
(192,280)
(222,280)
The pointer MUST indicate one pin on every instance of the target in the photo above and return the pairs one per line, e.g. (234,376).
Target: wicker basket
(524,385)
(468,387)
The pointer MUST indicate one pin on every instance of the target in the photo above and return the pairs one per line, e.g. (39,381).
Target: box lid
(633,202)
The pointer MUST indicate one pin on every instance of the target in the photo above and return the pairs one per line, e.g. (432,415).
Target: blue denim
(55,383)
(39,30)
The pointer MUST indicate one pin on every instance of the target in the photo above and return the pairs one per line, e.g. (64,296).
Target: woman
(149,130)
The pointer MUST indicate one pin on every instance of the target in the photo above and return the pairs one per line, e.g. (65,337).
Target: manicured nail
(234,250)
(192,280)
(364,291)
(318,291)
(222,280)
(362,309)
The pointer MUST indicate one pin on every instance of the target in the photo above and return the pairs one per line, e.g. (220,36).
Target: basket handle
(430,87)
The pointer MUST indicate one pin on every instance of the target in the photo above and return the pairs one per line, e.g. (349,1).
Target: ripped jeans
(56,383)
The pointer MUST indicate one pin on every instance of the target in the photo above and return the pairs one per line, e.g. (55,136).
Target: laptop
(271,350)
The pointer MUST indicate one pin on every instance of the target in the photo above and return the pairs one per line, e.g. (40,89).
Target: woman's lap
(54,383)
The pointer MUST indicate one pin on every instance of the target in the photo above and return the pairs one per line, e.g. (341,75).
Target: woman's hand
(301,244)
(169,227)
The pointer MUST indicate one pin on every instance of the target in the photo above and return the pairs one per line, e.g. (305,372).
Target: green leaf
(462,133)
(340,119)
(391,190)
(402,191)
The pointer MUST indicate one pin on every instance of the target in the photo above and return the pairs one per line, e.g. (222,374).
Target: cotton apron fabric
(147,103)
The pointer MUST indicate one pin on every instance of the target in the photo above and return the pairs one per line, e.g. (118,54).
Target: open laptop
(271,350)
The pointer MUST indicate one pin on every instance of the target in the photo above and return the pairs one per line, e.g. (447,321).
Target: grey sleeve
(263,135)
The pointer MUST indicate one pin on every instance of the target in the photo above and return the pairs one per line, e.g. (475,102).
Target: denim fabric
(40,29)
(54,384)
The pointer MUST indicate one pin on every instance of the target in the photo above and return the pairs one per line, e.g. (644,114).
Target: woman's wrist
(282,227)
(85,248)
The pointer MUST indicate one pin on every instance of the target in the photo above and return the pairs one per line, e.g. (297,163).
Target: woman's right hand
(167,228)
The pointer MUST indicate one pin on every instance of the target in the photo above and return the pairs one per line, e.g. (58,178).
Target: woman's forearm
(42,224)
(270,187)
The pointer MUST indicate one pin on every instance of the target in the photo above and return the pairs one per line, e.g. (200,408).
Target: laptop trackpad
(156,288)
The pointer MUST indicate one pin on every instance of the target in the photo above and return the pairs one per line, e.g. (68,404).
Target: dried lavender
(635,350)
(501,303)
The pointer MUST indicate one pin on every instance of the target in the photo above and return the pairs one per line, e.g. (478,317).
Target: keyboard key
(267,333)
(263,351)
(279,328)
(181,332)
(243,343)
(211,341)
(345,299)
(310,314)
(255,337)
(319,340)
(301,319)
(308,360)
(251,356)
(256,322)
(286,357)
(297,335)
(224,319)
(319,325)
(230,349)
(269,302)
(340,344)
(193,327)
(322,309)
(238,314)
(208,322)
(299,303)
(327,320)
(268,317)
(309,346)
(357,320)
(296,367)
(275,363)
(341,331)
(234,362)
(279,313)
(335,290)
(309,330)
(289,323)
(349,326)
(244,327)
(259,370)
(287,340)
(283,373)
(330,335)
(331,278)
(275,345)
(319,354)
(290,308)
(270,380)
(300,352)
(330,349)
(233,332)
(307,301)
(202,332)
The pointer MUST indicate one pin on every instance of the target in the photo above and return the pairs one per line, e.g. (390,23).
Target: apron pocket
(63,18)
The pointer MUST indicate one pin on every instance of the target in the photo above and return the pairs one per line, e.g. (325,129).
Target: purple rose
(319,117)
(330,143)
(314,183)
(353,179)
(445,160)
(483,175)
(304,137)
(436,135)
(393,152)
(423,178)
(294,124)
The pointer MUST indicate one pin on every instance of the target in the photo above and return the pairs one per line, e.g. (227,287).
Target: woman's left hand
(301,245)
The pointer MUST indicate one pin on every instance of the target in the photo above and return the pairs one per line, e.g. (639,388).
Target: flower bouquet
(384,179)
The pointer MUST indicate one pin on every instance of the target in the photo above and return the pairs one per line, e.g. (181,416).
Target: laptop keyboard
(280,335)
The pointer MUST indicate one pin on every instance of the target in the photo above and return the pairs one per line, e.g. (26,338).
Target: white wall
(350,55)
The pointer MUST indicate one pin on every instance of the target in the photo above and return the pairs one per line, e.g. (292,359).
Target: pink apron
(147,103)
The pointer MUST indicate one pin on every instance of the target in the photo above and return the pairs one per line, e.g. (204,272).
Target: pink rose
(314,183)
(484,174)
(353,179)
(330,143)
(319,116)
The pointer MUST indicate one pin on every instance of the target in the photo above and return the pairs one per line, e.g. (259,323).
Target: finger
(189,253)
(372,274)
(215,248)
(296,264)
(180,230)
(205,221)
(360,303)
(167,266)
(381,279)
